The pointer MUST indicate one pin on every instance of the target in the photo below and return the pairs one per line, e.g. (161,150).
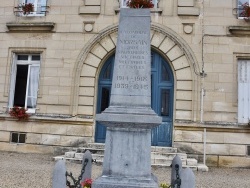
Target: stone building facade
(62,50)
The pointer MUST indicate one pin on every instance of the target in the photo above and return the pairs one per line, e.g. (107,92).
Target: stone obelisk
(129,118)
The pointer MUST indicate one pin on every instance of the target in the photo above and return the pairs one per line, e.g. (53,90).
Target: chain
(76,183)
(178,180)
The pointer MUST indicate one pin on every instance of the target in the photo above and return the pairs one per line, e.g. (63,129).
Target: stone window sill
(239,30)
(30,27)
(152,10)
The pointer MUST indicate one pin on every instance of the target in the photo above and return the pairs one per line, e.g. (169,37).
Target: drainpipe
(204,146)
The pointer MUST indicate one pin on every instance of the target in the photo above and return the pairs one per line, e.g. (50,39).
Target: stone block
(183,147)
(70,154)
(18,126)
(79,155)
(166,45)
(88,71)
(4,136)
(191,162)
(107,43)
(214,96)
(86,100)
(58,129)
(98,51)
(184,85)
(87,81)
(51,139)
(197,148)
(157,39)
(223,107)
(86,110)
(184,74)
(180,63)
(49,99)
(73,141)
(41,128)
(183,115)
(237,150)
(4,146)
(52,109)
(64,100)
(65,82)
(80,130)
(188,11)
(87,91)
(184,95)
(184,105)
(188,136)
(89,10)
(92,2)
(3,126)
(175,53)
(33,138)
(212,160)
(218,149)
(215,137)
(234,161)
(237,138)
(30,148)
(202,168)
(185,3)
(93,60)
(114,36)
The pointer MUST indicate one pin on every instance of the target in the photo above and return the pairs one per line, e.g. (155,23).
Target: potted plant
(140,4)
(245,11)
(27,8)
(19,112)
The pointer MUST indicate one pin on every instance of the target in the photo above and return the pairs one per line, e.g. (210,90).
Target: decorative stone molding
(30,27)
(239,30)
(185,3)
(152,10)
(188,28)
(164,40)
(187,8)
(88,26)
(90,7)
(92,2)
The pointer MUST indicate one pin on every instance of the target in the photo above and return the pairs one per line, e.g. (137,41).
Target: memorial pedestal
(129,118)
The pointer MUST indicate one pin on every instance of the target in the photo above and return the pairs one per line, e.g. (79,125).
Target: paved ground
(35,171)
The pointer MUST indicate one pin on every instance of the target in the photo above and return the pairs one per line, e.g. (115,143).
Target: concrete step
(160,156)
(100,146)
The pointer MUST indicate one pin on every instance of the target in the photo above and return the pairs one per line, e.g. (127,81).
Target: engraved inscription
(132,57)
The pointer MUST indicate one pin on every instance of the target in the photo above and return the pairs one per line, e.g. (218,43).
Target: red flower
(19,112)
(87,183)
(140,4)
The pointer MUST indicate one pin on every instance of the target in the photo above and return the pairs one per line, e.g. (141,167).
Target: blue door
(162,98)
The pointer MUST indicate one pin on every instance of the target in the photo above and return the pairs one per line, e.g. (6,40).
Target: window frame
(239,9)
(13,75)
(122,2)
(35,13)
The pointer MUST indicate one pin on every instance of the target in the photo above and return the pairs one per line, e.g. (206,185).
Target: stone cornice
(239,30)
(30,27)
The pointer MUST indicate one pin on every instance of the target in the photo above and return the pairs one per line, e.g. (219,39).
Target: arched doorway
(162,98)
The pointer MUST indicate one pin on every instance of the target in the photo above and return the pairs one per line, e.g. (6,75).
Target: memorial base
(124,182)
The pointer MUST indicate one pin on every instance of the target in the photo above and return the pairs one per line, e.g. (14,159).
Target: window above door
(32,8)
(243,9)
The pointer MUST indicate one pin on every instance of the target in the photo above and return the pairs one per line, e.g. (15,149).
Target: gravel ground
(35,170)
